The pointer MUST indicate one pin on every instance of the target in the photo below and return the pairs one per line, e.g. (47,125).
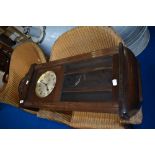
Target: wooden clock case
(107,80)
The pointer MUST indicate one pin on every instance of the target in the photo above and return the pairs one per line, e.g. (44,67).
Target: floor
(11,117)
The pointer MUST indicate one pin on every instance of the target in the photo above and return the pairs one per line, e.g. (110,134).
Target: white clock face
(45,84)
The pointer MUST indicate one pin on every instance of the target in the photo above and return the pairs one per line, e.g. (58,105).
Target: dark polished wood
(108,107)
(84,83)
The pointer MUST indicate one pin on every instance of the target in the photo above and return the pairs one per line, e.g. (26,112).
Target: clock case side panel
(24,84)
(130,93)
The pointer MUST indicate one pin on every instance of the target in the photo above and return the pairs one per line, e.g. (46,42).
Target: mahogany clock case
(85,83)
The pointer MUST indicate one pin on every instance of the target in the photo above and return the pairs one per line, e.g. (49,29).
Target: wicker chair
(23,56)
(78,41)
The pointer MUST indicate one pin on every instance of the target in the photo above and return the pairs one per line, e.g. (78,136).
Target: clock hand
(44,83)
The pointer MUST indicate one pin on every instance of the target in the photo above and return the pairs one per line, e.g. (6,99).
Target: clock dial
(45,84)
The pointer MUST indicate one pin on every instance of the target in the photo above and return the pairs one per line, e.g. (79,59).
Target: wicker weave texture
(84,40)
(74,42)
(23,56)
(78,41)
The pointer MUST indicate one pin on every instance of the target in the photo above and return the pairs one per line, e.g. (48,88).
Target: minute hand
(44,83)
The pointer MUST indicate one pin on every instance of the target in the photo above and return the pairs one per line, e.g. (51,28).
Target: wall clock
(107,80)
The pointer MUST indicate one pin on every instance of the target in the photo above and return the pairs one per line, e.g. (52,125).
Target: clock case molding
(85,83)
